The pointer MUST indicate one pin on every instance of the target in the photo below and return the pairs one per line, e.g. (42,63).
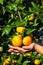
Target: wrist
(34,46)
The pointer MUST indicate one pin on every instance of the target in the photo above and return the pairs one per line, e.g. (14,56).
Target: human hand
(17,50)
(29,48)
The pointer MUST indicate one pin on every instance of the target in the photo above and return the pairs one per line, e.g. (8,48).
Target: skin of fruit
(27,40)
(17,41)
(20,29)
(37,62)
(7,61)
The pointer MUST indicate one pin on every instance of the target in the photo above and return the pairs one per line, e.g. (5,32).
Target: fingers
(26,47)
(10,46)
(16,49)
(12,50)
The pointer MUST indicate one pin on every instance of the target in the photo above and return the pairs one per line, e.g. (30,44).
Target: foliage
(14,13)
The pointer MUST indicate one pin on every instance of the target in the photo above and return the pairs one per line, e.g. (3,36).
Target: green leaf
(6,30)
(21,7)
(1,49)
(42,59)
(12,56)
(34,53)
(35,22)
(31,15)
(42,20)
(28,31)
(38,56)
(1,1)
(0,63)
(24,22)
(3,10)
(9,20)
(17,23)
(26,62)
(18,1)
(20,59)
(3,57)
(36,8)
(30,23)
(11,6)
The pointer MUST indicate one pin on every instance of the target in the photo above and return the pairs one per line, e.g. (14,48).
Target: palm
(30,47)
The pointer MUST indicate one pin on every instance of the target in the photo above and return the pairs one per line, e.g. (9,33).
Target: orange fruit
(28,54)
(7,61)
(14,61)
(20,29)
(4,63)
(37,61)
(27,40)
(31,17)
(17,40)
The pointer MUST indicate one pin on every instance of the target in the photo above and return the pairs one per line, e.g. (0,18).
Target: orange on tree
(4,63)
(31,17)
(7,61)
(37,61)
(17,40)
(27,40)
(14,61)
(20,29)
(28,54)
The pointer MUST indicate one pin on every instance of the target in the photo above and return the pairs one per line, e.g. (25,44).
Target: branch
(19,16)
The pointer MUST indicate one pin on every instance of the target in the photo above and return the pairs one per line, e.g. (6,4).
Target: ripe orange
(4,63)
(14,61)
(20,29)
(28,54)
(37,61)
(27,40)
(31,17)
(17,40)
(7,61)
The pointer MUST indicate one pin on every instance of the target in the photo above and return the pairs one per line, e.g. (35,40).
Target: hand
(30,47)
(16,49)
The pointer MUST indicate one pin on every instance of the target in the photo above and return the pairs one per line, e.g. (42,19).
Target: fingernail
(12,53)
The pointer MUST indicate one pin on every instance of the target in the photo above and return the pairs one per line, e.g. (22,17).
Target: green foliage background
(15,13)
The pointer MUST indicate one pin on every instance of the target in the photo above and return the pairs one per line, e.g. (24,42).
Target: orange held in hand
(17,40)
(27,40)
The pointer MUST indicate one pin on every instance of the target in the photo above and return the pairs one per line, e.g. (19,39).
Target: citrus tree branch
(19,16)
